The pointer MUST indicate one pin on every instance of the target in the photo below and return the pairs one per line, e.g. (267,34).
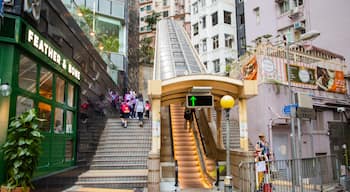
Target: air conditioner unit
(294,13)
(299,26)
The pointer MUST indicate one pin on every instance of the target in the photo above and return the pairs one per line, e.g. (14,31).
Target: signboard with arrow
(197,100)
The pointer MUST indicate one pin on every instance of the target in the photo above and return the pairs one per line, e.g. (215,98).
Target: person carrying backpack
(124,111)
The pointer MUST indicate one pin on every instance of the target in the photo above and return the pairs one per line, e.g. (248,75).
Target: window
(148,7)
(298,1)
(241,19)
(44,112)
(23,104)
(196,47)
(204,45)
(227,17)
(215,41)
(165,2)
(45,88)
(242,42)
(142,9)
(58,126)
(203,3)
(195,7)
(70,100)
(195,29)
(216,65)
(59,90)
(69,122)
(284,7)
(214,18)
(27,74)
(165,14)
(257,14)
(204,22)
(142,18)
(205,63)
(228,40)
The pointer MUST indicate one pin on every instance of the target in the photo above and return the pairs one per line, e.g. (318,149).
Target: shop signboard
(330,80)
(300,74)
(250,69)
(34,40)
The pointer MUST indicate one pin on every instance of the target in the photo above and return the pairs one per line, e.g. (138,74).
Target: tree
(152,19)
(146,51)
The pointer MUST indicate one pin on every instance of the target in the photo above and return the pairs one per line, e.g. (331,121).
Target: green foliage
(146,51)
(22,149)
(88,15)
(152,19)
(110,43)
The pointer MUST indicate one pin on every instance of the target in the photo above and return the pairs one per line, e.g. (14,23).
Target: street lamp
(227,103)
(306,36)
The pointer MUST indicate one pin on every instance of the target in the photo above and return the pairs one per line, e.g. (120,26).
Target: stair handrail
(176,174)
(171,135)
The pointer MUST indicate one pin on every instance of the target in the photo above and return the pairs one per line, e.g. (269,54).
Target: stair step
(116,167)
(114,163)
(118,158)
(111,179)
(129,153)
(115,185)
(123,146)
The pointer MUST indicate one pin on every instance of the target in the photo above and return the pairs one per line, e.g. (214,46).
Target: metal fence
(298,175)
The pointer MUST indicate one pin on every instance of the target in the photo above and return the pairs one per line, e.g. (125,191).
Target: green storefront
(40,77)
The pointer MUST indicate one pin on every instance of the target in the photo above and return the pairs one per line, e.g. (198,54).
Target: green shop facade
(40,77)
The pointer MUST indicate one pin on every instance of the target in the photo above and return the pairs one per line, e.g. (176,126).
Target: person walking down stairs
(125,112)
(140,108)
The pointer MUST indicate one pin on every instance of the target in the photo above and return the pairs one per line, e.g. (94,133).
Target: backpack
(125,108)
(148,106)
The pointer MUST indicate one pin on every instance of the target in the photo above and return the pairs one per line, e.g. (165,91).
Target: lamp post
(227,103)
(306,36)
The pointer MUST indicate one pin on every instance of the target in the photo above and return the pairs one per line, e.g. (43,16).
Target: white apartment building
(213,33)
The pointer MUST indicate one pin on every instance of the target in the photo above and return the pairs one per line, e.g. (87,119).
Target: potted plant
(21,151)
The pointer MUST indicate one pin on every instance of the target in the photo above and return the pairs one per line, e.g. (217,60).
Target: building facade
(50,66)
(213,33)
(295,17)
(106,24)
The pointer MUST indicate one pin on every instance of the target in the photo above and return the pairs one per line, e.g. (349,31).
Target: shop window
(45,83)
(58,126)
(27,74)
(70,95)
(23,104)
(59,90)
(69,122)
(45,114)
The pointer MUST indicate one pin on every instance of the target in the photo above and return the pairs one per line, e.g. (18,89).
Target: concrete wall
(331,18)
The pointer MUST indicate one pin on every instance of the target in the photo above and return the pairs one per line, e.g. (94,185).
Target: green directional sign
(193,101)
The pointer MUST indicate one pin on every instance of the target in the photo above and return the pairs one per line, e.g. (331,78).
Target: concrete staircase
(120,161)
(185,152)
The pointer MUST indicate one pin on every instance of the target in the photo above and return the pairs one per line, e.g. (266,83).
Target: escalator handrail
(171,134)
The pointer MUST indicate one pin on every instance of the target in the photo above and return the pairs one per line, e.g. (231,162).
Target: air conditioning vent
(299,26)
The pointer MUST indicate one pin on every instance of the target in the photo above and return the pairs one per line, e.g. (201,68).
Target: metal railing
(305,175)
